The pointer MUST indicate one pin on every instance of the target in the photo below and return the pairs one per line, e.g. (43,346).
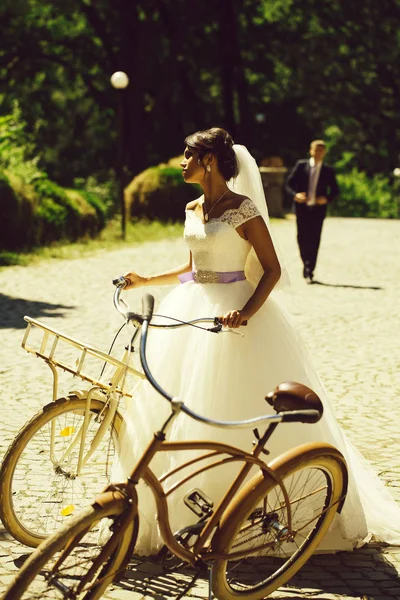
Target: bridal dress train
(226,377)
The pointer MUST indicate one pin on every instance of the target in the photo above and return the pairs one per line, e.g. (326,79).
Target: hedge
(363,196)
(160,193)
(43,212)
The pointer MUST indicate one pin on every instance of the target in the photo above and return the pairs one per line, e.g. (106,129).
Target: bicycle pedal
(199,503)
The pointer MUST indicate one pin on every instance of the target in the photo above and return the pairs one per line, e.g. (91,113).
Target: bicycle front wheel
(81,560)
(268,539)
(39,485)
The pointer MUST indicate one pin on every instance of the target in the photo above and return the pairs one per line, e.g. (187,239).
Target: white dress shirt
(315,169)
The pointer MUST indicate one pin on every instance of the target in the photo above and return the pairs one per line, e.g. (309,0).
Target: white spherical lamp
(119,80)
(396,172)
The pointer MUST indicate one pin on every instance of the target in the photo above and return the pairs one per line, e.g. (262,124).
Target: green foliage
(17,149)
(305,66)
(106,191)
(363,196)
(44,212)
(34,209)
(97,204)
(160,193)
(16,215)
(8,259)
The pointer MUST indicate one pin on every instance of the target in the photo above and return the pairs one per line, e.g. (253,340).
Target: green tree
(306,65)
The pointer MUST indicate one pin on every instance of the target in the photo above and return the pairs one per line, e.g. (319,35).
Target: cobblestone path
(349,319)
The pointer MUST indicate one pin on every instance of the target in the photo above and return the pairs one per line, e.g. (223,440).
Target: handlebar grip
(302,416)
(242,325)
(147,307)
(119,281)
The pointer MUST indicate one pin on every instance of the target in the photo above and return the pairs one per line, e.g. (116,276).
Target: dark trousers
(309,227)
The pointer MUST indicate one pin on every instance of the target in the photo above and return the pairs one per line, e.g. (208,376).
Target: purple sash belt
(212,276)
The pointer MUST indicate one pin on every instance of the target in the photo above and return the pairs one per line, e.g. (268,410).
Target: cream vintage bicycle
(61,457)
(253,541)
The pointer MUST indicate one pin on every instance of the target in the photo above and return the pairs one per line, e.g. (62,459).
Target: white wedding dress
(227,376)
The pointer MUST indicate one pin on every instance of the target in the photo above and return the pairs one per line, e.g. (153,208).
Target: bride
(232,272)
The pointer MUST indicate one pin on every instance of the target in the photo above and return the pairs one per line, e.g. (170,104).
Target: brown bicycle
(269,522)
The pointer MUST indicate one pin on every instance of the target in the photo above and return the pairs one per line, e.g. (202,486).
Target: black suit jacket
(298,182)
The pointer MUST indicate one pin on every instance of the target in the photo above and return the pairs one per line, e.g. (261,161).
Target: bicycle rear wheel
(39,488)
(81,560)
(269,548)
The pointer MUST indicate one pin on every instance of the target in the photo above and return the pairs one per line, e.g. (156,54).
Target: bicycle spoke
(45,489)
(269,543)
(63,574)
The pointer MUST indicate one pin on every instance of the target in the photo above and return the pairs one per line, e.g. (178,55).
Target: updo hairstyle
(219,142)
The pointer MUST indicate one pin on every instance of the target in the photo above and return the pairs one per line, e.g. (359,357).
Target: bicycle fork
(80,436)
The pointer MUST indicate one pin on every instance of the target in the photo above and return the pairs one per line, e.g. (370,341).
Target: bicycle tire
(315,477)
(56,567)
(36,493)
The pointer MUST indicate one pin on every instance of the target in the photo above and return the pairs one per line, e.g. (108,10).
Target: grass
(109,239)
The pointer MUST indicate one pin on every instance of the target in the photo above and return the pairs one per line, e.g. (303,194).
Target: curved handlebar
(122,307)
(143,321)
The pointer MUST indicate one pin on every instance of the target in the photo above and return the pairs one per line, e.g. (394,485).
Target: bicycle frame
(200,550)
(159,444)
(245,502)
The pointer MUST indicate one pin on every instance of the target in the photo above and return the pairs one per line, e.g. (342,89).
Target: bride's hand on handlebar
(233,319)
(133,280)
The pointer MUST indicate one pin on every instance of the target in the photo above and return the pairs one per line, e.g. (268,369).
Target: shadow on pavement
(148,577)
(345,285)
(13,310)
(362,573)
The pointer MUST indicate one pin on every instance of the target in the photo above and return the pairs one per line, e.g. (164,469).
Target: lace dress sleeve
(237,216)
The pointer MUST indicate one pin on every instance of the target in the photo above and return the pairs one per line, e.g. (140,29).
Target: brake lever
(218,327)
(215,329)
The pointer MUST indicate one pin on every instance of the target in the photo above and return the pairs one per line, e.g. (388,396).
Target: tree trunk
(227,62)
(232,73)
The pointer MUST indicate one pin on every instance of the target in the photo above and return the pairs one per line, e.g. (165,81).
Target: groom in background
(312,185)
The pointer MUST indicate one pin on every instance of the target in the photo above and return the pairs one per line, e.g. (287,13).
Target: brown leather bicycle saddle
(294,396)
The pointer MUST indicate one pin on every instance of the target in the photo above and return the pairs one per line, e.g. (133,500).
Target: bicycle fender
(259,482)
(315,449)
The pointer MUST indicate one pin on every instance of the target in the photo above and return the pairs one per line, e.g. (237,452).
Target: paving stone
(351,332)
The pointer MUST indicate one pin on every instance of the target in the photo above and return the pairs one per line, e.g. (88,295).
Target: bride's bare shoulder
(236,200)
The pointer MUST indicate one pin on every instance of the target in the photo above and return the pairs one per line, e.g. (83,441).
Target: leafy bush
(43,212)
(16,215)
(17,149)
(34,209)
(97,204)
(363,196)
(360,194)
(106,191)
(160,193)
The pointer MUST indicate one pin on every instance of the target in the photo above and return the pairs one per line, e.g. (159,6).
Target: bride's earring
(208,167)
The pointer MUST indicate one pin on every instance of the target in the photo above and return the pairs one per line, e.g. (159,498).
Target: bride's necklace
(208,212)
